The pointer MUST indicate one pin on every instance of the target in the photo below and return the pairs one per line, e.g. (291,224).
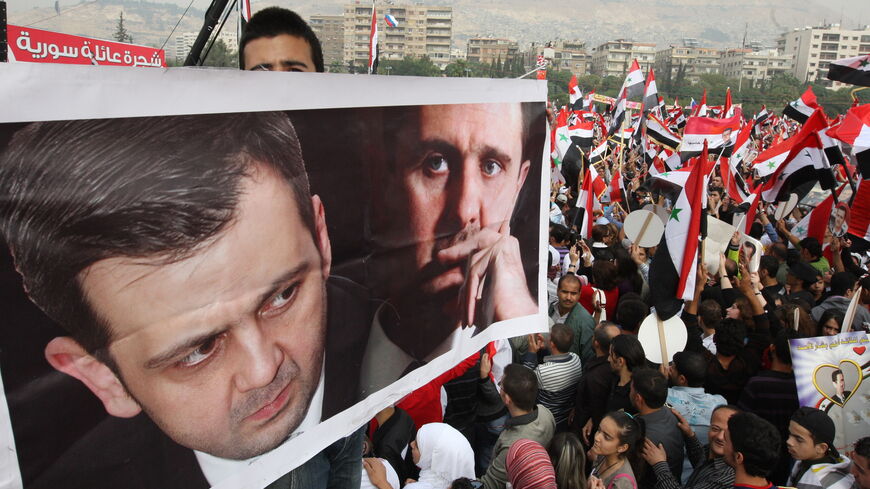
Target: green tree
(121,34)
(220,56)
(465,68)
(410,66)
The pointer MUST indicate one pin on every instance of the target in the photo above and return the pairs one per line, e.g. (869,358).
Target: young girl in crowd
(617,442)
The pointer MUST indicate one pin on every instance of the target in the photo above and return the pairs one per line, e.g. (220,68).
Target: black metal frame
(212,17)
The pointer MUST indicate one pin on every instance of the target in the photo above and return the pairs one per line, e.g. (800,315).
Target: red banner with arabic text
(39,46)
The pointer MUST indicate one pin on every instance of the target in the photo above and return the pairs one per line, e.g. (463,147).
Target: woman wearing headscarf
(443,455)
(529,466)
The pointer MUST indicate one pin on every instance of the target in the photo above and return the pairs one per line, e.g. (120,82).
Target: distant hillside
(715,23)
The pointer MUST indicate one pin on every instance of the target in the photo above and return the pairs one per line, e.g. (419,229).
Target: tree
(121,34)
(220,56)
(410,66)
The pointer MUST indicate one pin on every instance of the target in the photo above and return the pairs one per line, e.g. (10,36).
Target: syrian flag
(575,96)
(802,108)
(859,222)
(854,130)
(623,137)
(563,138)
(851,70)
(673,160)
(700,110)
(618,114)
(801,165)
(833,156)
(373,42)
(742,144)
(616,186)
(733,182)
(726,110)
(650,92)
(633,84)
(683,232)
(719,135)
(659,132)
(582,133)
(755,198)
(588,198)
(587,101)
(598,153)
(815,223)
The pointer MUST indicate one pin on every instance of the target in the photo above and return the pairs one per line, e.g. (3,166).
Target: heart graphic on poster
(859,349)
(826,369)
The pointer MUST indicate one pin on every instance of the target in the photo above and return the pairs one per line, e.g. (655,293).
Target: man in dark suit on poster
(189,264)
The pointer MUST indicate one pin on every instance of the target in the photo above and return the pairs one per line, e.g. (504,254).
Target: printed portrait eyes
(203,352)
(435,164)
(280,301)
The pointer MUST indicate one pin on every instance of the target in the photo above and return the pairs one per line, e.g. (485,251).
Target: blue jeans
(338,466)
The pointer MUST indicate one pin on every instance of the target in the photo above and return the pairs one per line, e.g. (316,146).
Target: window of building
(830,37)
(829,47)
(815,46)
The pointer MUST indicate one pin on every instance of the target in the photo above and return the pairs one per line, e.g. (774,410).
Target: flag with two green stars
(683,229)
(854,70)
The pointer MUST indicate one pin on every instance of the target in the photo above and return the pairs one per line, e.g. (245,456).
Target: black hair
(632,431)
(781,344)
(628,347)
(462,483)
(651,385)
(812,246)
(729,336)
(710,311)
(843,281)
(521,384)
(778,251)
(835,374)
(559,233)
(862,447)
(599,231)
(769,264)
(274,21)
(562,336)
(692,365)
(78,192)
(604,274)
(756,230)
(835,314)
(757,440)
(600,335)
(630,313)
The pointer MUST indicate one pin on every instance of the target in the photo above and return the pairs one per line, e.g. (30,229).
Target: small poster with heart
(833,374)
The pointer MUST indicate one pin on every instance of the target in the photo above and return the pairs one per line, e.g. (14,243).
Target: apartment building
(485,50)
(561,55)
(422,30)
(691,60)
(614,58)
(330,33)
(754,67)
(813,49)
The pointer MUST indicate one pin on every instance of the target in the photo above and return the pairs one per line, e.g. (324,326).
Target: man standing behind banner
(444,254)
(190,266)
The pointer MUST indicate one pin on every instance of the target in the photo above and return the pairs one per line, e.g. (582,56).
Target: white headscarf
(445,455)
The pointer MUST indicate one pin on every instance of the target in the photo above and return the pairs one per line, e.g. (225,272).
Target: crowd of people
(582,407)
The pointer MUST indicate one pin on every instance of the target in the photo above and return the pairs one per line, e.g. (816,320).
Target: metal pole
(212,17)
(3,47)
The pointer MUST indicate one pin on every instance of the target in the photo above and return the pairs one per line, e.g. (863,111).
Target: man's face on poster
(461,173)
(840,384)
(224,348)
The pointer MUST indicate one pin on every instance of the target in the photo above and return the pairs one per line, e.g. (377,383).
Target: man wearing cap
(810,442)
(556,215)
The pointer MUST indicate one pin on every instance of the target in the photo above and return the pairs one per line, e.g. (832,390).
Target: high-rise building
(814,48)
(330,33)
(614,58)
(184,42)
(421,30)
(754,67)
(485,50)
(685,64)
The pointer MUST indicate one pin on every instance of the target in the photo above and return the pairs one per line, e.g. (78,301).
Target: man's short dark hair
(570,277)
(769,264)
(842,282)
(560,233)
(274,21)
(729,336)
(630,313)
(710,311)
(628,347)
(600,335)
(562,336)
(781,344)
(836,373)
(757,440)
(812,245)
(651,385)
(599,231)
(78,192)
(778,251)
(692,365)
(521,384)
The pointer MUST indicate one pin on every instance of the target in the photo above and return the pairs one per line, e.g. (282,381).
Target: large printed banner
(214,290)
(833,374)
(40,46)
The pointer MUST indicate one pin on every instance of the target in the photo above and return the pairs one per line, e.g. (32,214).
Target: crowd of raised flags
(763,157)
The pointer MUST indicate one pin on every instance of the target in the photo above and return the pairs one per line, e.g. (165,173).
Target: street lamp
(389,68)
(467,72)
